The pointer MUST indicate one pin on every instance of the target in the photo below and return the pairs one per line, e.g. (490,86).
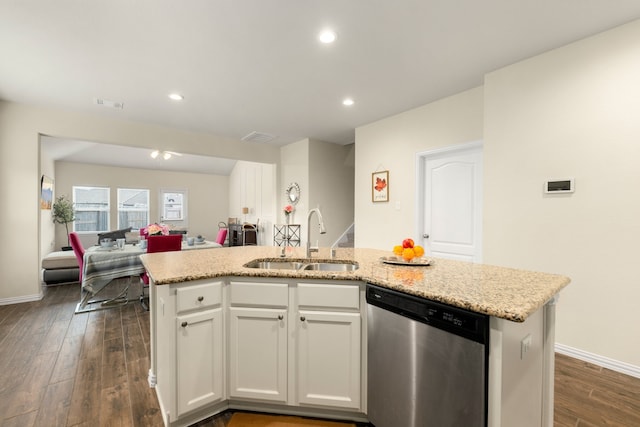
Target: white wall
(253,185)
(20,217)
(294,167)
(391,144)
(331,180)
(325,174)
(572,112)
(207,195)
(20,127)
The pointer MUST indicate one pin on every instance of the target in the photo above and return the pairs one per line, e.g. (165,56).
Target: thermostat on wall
(553,186)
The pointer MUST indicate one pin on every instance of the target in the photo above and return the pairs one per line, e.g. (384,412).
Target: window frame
(76,211)
(165,206)
(147,210)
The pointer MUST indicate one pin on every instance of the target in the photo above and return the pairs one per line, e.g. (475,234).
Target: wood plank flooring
(61,369)
(90,369)
(588,395)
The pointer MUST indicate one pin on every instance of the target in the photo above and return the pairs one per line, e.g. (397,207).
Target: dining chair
(251,230)
(78,250)
(169,243)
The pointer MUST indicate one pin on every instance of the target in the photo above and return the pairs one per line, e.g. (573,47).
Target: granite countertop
(501,292)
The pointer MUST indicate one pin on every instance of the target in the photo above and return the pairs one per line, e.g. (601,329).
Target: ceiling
(131,157)
(256,65)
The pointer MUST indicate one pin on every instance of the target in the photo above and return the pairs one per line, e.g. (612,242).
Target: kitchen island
(225,294)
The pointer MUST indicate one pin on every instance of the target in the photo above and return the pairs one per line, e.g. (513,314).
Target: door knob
(425,235)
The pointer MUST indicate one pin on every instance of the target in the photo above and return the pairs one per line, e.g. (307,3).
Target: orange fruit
(397,250)
(408,254)
(418,250)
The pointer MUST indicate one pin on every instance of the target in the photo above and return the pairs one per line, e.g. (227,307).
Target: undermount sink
(331,266)
(302,265)
(274,265)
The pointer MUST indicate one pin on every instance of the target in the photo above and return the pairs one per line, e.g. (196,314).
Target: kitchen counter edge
(502,292)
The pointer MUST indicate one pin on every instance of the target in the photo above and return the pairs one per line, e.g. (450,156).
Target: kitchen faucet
(322,230)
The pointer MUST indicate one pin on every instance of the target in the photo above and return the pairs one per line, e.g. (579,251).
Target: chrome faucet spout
(320,225)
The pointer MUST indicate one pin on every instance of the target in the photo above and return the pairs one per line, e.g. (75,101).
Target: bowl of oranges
(408,253)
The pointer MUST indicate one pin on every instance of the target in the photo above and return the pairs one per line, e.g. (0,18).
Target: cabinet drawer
(259,294)
(200,296)
(328,295)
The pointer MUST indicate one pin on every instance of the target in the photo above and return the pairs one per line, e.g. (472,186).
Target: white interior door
(452,209)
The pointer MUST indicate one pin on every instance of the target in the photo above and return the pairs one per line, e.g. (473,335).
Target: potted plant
(62,213)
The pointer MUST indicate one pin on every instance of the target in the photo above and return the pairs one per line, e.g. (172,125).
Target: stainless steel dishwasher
(427,362)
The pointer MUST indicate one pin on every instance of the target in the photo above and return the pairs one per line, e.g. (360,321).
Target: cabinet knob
(184,324)
(280,317)
(200,299)
(303,318)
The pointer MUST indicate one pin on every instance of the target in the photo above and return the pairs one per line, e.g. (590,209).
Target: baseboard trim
(21,299)
(605,362)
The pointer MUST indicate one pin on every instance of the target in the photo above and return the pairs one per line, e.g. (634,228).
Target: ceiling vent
(110,104)
(258,137)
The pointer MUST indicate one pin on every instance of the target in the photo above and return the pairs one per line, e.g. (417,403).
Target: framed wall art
(380,186)
(46,192)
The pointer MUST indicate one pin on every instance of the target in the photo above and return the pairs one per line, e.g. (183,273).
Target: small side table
(286,234)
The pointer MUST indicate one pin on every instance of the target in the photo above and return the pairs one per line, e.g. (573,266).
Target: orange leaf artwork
(380,186)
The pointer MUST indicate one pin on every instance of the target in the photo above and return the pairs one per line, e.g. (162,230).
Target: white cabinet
(188,354)
(258,341)
(199,361)
(258,345)
(329,345)
(296,343)
(329,359)
(258,354)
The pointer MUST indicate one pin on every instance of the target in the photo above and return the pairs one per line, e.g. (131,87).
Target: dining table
(102,265)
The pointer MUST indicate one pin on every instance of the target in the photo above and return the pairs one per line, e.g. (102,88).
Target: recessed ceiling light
(348,102)
(176,97)
(327,36)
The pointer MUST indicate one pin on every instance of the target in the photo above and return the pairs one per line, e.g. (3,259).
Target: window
(173,207)
(133,208)
(91,208)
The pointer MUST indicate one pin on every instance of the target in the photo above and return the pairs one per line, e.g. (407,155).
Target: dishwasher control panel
(452,319)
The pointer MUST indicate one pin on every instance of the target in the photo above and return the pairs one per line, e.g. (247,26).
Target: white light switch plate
(525,345)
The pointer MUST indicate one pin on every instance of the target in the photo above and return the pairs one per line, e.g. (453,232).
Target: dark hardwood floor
(61,369)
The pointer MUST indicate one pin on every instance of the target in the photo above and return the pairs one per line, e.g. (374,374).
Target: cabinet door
(329,359)
(258,353)
(199,359)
